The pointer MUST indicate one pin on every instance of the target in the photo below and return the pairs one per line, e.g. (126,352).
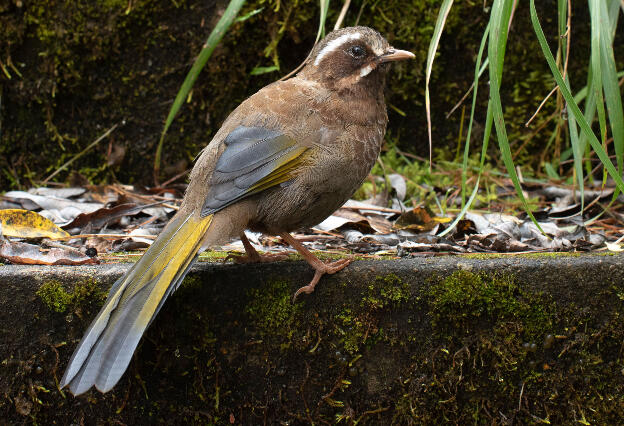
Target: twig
(299,67)
(359,15)
(343,12)
(173,179)
(81,153)
(114,236)
(305,61)
(369,412)
(373,208)
(552,92)
(461,101)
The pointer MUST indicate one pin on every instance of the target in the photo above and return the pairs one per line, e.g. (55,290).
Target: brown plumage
(286,158)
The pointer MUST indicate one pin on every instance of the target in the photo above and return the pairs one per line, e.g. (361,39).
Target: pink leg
(320,267)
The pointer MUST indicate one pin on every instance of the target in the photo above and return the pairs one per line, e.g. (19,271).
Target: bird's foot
(322,269)
(256,257)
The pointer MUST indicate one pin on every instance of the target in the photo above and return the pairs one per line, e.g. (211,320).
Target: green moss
(460,349)
(483,256)
(56,297)
(492,342)
(359,324)
(465,298)
(272,311)
(212,256)
(551,255)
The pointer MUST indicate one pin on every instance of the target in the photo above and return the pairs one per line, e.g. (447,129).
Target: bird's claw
(326,268)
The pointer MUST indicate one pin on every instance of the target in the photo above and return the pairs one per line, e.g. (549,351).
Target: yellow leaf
(27,224)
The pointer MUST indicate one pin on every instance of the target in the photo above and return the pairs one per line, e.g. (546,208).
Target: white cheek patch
(366,70)
(334,45)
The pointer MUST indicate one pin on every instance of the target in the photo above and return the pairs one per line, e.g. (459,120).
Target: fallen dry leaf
(98,219)
(29,254)
(419,219)
(28,224)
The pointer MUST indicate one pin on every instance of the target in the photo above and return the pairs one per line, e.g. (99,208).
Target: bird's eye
(357,51)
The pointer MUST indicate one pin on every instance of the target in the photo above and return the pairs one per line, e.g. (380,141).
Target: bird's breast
(332,171)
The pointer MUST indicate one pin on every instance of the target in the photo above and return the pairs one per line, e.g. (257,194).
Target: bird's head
(351,59)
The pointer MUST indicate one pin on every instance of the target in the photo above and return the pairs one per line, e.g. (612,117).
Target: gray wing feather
(251,154)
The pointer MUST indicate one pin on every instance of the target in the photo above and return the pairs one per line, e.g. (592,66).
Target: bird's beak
(393,54)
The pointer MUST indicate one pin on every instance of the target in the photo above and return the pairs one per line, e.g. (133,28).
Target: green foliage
(602,89)
(77,68)
(215,37)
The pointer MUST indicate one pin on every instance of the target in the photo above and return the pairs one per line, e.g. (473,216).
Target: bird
(286,158)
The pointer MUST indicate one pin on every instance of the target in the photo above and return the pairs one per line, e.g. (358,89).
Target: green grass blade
(263,70)
(614,13)
(611,88)
(464,209)
(499,20)
(581,94)
(478,70)
(433,47)
(577,149)
(572,105)
(590,113)
(562,8)
(248,15)
(324,5)
(486,138)
(213,39)
(594,11)
(577,152)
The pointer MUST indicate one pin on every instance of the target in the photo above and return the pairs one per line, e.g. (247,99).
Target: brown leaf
(374,222)
(99,218)
(29,254)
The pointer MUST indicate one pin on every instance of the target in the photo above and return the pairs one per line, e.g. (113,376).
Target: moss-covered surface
(403,342)
(72,69)
(56,297)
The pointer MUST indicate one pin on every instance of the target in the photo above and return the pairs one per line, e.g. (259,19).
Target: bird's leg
(319,267)
(252,255)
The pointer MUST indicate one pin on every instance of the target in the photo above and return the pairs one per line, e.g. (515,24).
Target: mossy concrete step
(440,339)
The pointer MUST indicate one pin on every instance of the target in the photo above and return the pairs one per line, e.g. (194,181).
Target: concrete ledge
(439,339)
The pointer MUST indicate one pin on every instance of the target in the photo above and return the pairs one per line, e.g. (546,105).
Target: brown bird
(286,158)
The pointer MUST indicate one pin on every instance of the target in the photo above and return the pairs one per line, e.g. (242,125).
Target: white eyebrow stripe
(334,44)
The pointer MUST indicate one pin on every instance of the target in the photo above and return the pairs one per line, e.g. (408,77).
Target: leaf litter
(93,224)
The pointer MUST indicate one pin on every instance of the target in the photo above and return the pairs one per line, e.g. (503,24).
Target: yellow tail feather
(134,300)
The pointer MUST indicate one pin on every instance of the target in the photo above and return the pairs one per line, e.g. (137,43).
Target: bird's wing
(254,159)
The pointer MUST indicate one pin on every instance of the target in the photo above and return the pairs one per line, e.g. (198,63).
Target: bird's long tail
(134,300)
